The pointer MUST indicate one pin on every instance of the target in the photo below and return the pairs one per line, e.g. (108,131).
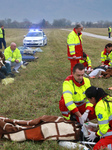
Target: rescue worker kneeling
(103,109)
(73,104)
(86,61)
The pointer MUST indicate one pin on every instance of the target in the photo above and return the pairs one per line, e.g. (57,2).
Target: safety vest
(87,62)
(74,45)
(12,56)
(105,57)
(109,29)
(103,111)
(74,93)
(1,33)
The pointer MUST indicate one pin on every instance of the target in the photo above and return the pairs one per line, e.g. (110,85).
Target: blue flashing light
(34,30)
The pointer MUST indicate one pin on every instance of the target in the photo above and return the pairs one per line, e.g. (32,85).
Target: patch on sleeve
(100,116)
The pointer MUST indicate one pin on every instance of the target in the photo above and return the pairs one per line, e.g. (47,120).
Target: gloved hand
(106,66)
(83,118)
(89,69)
(92,124)
(91,136)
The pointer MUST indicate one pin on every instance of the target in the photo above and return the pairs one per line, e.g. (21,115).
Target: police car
(35,37)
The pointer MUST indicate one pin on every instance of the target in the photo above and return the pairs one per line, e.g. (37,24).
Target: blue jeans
(6,69)
(1,75)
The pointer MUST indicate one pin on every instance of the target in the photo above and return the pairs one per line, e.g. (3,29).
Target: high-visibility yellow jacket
(87,62)
(105,57)
(74,45)
(1,33)
(103,111)
(109,29)
(74,93)
(110,59)
(12,55)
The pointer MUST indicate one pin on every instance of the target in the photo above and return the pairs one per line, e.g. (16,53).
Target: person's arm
(71,44)
(102,58)
(103,120)
(19,57)
(89,61)
(68,97)
(8,54)
(110,60)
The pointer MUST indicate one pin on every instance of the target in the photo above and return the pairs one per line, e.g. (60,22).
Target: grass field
(38,88)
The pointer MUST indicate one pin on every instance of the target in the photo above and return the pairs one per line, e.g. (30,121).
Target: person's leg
(7,65)
(1,75)
(9,62)
(73,63)
(4,43)
(4,70)
(104,143)
(95,72)
(16,66)
(65,112)
(8,70)
(0,43)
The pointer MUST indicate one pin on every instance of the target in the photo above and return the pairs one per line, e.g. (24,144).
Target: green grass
(37,90)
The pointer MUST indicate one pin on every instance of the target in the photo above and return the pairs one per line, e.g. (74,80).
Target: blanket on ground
(42,128)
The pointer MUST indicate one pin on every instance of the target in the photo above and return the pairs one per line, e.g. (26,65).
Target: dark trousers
(2,76)
(4,43)
(6,69)
(1,43)
(109,34)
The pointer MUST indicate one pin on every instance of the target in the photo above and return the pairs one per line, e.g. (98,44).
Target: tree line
(57,23)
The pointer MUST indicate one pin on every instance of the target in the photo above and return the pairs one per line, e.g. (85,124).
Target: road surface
(93,35)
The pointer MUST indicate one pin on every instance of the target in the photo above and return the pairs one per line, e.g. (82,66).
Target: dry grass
(98,31)
(38,88)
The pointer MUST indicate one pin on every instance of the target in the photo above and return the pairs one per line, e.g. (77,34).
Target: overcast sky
(73,10)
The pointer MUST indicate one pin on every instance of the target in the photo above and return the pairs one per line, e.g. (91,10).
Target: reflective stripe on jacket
(103,111)
(87,62)
(74,45)
(1,33)
(74,94)
(12,56)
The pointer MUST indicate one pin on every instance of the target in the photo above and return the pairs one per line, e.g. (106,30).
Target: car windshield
(35,34)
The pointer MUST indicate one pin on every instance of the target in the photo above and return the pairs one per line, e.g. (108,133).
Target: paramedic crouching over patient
(13,57)
(74,104)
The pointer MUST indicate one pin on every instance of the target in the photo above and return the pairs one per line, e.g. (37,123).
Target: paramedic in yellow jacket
(110,59)
(105,54)
(74,45)
(103,110)
(86,61)
(73,104)
(13,57)
(109,31)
